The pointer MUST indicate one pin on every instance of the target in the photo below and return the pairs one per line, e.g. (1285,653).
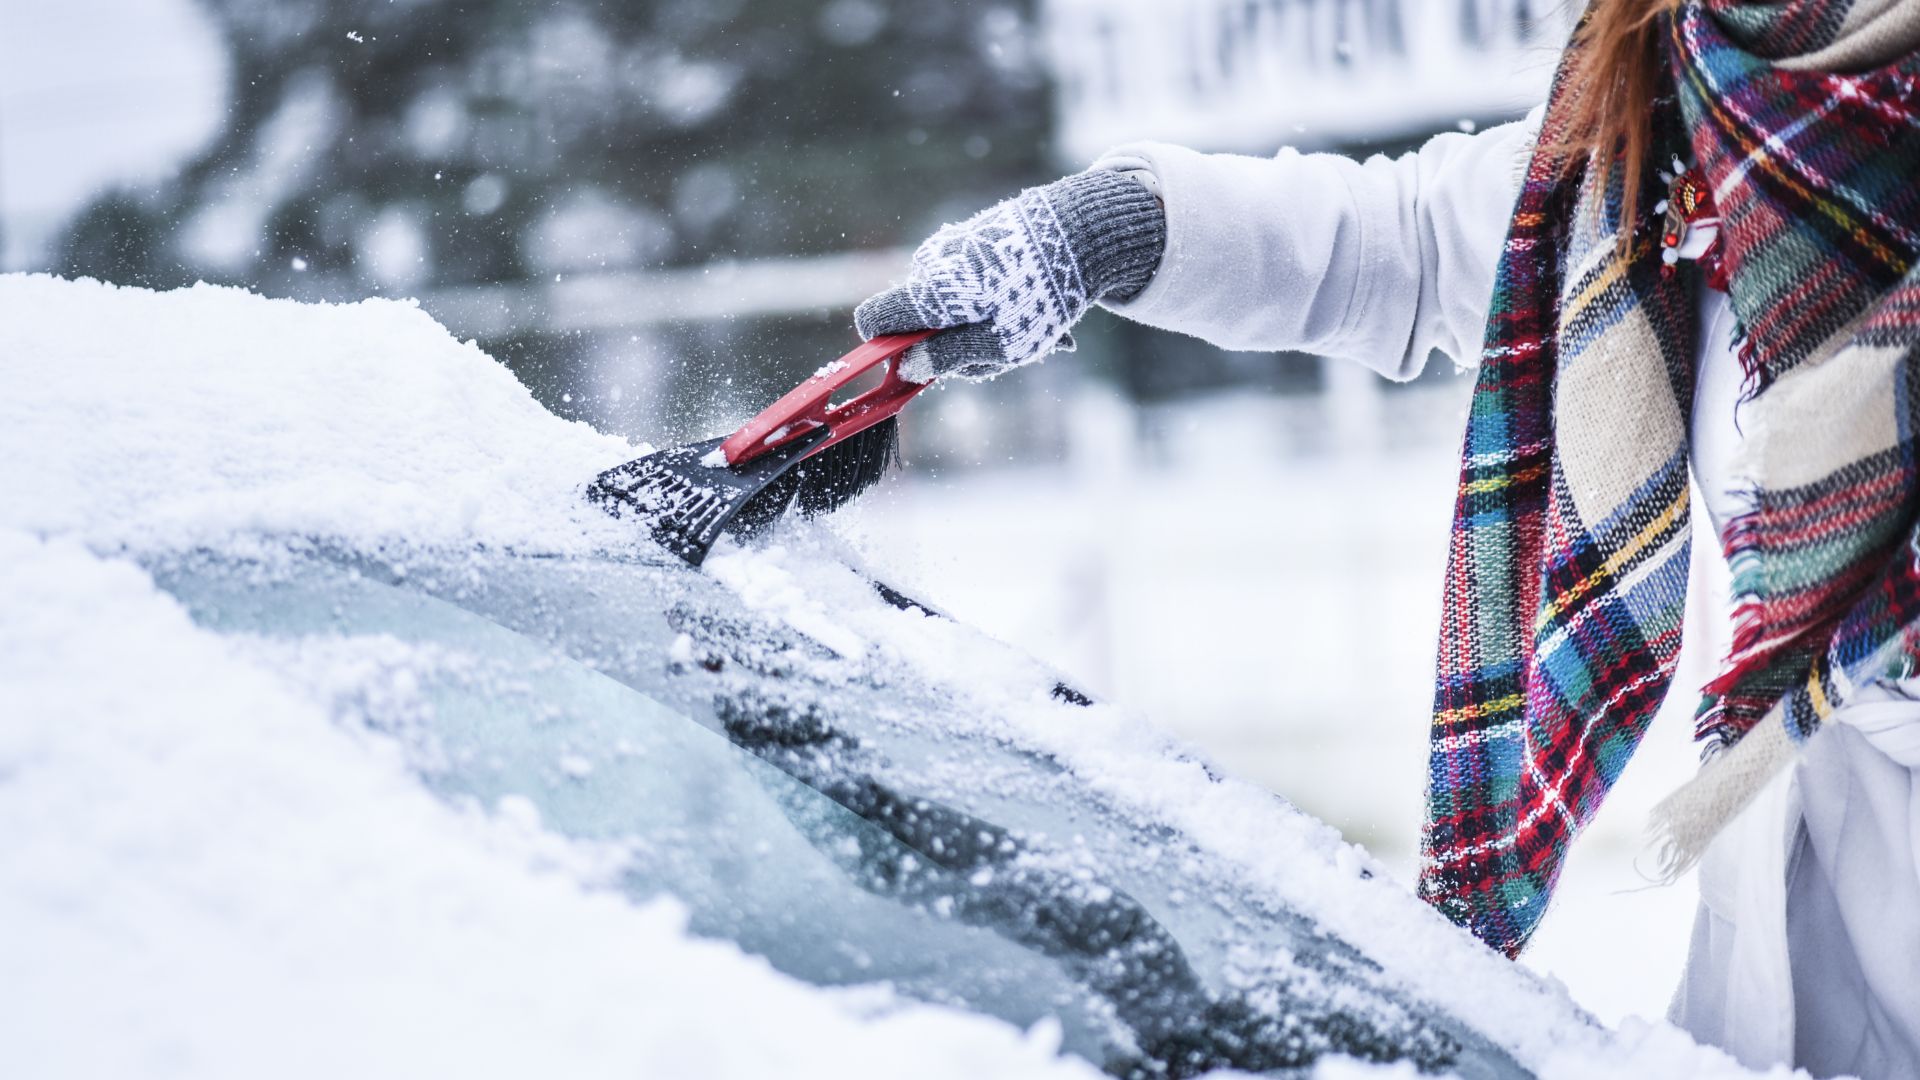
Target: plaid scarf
(1567,575)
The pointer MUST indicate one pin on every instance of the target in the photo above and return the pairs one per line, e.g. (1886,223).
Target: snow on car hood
(177,804)
(144,419)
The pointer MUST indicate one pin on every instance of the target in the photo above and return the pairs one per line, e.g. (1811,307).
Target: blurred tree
(120,240)
(389,145)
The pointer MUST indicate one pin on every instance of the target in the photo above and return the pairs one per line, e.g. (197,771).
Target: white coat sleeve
(1379,262)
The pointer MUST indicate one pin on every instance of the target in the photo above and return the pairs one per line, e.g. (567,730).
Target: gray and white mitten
(1008,284)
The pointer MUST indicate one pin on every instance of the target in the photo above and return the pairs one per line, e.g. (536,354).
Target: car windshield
(806,807)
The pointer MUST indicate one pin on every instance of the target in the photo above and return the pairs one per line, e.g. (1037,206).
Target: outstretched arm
(1380,262)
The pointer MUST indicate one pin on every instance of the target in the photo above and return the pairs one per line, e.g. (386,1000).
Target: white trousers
(1806,948)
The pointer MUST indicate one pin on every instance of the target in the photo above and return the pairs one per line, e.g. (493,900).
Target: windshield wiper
(982,875)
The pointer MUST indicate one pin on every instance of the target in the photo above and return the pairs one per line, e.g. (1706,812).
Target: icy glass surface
(817,809)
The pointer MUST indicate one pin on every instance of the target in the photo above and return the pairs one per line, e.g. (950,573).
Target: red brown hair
(1612,91)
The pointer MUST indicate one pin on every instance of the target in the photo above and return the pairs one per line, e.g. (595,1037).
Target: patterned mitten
(1008,284)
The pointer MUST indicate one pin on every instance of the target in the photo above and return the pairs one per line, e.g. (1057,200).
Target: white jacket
(1380,262)
(1808,937)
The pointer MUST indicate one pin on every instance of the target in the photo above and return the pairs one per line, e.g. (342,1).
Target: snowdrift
(204,875)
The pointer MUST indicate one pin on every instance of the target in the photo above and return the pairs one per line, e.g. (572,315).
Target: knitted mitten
(1009,283)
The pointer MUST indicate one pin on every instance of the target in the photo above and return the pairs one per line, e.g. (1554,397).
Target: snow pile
(163,420)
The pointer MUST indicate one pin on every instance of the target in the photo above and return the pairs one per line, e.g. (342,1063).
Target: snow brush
(803,450)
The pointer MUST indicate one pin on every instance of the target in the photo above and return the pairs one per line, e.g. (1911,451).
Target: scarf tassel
(1685,823)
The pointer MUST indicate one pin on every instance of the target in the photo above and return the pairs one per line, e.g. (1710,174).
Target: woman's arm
(1380,262)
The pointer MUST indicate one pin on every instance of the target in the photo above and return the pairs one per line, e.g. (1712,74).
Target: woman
(1696,259)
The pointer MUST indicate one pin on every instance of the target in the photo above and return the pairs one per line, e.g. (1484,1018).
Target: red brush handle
(808,407)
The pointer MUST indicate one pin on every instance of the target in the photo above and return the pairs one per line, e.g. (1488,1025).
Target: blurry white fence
(627,300)
(1252,75)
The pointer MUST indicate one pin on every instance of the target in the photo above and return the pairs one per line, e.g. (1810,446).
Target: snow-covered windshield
(813,853)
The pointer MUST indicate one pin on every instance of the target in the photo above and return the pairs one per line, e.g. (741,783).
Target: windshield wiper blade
(982,875)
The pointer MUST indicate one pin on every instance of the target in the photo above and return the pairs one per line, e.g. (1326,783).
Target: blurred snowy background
(661,212)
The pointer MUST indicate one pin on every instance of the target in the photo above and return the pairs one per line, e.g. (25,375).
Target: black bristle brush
(803,450)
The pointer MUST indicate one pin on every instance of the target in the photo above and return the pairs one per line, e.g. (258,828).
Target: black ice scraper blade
(688,505)
(804,445)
